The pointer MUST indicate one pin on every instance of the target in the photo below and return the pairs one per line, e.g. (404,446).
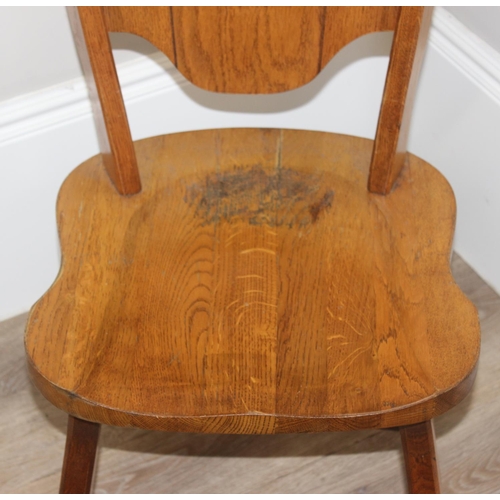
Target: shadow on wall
(367,46)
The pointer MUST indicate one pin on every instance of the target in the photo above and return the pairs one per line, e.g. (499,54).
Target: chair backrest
(250,50)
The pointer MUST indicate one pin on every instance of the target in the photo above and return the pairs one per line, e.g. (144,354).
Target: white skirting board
(456,127)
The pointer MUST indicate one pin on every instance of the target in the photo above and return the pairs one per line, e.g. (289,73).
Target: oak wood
(254,286)
(420,457)
(342,26)
(152,23)
(79,456)
(32,435)
(408,49)
(253,50)
(250,49)
(115,140)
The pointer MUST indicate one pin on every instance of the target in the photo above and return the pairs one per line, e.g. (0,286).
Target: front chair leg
(420,457)
(79,456)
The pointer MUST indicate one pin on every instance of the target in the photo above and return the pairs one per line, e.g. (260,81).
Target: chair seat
(254,286)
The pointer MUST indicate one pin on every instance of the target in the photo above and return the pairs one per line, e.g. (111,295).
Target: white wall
(38,49)
(44,135)
(482,21)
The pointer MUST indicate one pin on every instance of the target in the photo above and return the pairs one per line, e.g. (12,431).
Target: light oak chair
(253,281)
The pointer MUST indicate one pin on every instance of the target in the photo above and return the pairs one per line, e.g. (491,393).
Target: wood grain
(253,50)
(32,436)
(420,458)
(152,23)
(115,141)
(342,26)
(254,286)
(407,54)
(250,49)
(79,456)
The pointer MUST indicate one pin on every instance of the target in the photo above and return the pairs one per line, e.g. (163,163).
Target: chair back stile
(407,54)
(113,131)
(250,50)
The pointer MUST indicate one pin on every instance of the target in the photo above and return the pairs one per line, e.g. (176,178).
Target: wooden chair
(253,281)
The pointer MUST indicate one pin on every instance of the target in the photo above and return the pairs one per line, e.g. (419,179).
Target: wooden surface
(113,132)
(32,436)
(254,286)
(255,50)
(250,49)
(79,456)
(407,54)
(342,26)
(420,457)
(152,23)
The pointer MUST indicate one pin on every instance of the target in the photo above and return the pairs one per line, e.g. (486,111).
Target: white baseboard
(65,103)
(472,56)
(44,135)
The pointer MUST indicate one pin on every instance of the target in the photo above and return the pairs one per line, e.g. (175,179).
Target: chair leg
(79,456)
(420,457)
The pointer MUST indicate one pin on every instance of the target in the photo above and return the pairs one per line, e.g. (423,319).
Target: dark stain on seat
(281,197)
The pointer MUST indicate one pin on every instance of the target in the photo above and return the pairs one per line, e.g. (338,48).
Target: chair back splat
(250,50)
